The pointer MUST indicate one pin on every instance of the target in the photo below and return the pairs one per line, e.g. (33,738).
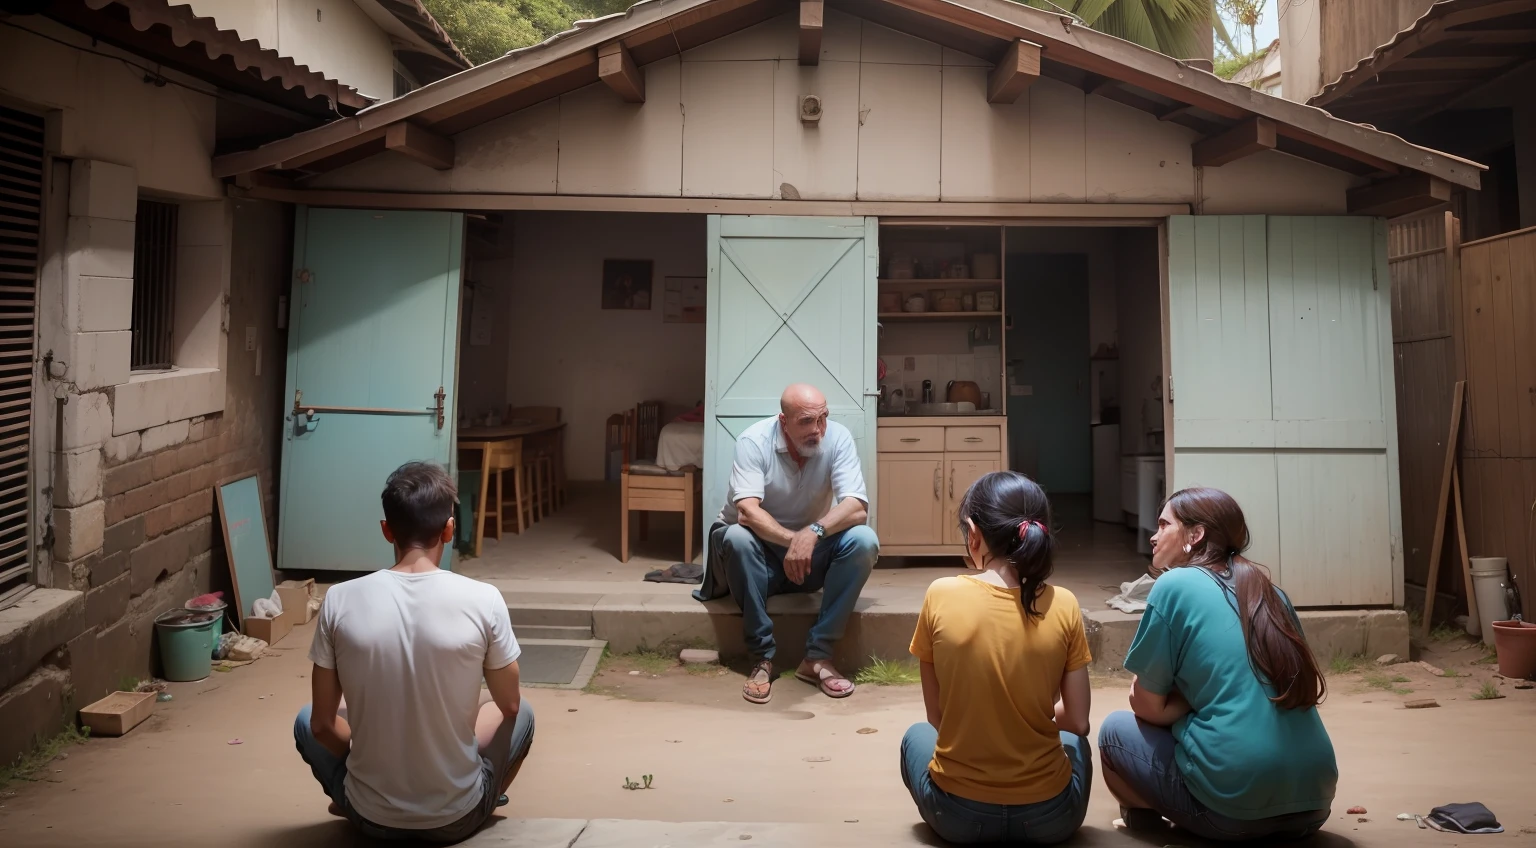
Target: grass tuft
(1386,682)
(888,673)
(1446,633)
(1346,663)
(1490,657)
(1489,692)
(46,752)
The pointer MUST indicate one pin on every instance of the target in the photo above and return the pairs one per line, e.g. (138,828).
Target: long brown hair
(1276,649)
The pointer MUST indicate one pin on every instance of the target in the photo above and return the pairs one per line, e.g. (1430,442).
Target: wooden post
(810,31)
(1446,480)
(1466,562)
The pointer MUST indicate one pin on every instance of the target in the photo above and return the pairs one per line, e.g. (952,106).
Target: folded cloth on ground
(1464,818)
(1133,595)
(678,572)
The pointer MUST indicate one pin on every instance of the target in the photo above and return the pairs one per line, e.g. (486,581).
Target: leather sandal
(822,676)
(747,689)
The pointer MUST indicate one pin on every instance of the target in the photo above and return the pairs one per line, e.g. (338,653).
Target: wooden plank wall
(1424,355)
(1353,29)
(1498,446)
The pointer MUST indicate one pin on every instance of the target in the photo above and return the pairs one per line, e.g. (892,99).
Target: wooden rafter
(424,146)
(811,12)
(1014,73)
(616,68)
(1399,196)
(1245,139)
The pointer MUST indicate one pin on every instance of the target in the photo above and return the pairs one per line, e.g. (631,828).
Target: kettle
(963,391)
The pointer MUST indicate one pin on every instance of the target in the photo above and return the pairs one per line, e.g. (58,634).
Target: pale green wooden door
(375,312)
(791,300)
(1283,394)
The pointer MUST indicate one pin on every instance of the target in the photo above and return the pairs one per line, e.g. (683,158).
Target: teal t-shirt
(1240,754)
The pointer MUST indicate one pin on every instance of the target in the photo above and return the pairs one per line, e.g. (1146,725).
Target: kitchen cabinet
(961,472)
(911,499)
(925,466)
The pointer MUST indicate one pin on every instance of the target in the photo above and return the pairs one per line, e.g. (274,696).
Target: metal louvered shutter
(21,190)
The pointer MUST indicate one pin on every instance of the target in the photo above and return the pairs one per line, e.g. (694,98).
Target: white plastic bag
(267,607)
(1133,595)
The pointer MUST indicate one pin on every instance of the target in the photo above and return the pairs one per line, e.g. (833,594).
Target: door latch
(437,409)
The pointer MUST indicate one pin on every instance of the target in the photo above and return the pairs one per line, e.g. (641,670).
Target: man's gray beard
(807,451)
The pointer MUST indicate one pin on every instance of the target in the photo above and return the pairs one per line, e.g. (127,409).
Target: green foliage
(1346,663)
(1167,26)
(1489,692)
(1228,66)
(487,29)
(888,673)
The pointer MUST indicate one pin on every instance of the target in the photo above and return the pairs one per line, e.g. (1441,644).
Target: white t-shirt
(794,496)
(410,650)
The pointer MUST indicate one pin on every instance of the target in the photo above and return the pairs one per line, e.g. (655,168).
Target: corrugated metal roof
(185,28)
(420,21)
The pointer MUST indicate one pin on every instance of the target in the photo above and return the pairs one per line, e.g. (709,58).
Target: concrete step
(630,616)
(554,632)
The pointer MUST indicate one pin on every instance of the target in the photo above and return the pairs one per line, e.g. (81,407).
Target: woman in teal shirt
(1223,738)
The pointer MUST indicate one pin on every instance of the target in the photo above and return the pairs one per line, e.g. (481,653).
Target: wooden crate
(295,595)
(118,713)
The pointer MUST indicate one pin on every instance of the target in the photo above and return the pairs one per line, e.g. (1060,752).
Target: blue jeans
(754,571)
(1142,755)
(508,748)
(966,822)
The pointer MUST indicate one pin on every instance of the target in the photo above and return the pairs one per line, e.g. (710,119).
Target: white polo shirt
(796,497)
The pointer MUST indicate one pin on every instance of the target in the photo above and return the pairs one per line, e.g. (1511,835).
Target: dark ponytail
(1014,518)
(1277,651)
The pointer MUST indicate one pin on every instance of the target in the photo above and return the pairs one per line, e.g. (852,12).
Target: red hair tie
(1025,525)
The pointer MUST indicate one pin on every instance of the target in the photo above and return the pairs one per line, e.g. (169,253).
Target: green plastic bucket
(186,643)
(218,624)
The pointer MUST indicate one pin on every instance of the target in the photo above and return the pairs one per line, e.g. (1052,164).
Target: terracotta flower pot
(1515,642)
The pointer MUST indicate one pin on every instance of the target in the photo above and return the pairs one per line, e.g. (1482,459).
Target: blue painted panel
(245,541)
(375,311)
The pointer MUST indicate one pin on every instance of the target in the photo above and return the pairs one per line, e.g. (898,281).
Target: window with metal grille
(21,192)
(154,285)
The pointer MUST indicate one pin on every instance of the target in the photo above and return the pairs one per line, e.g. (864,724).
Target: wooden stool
(503,457)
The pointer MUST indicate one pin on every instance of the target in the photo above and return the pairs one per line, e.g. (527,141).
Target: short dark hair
(418,501)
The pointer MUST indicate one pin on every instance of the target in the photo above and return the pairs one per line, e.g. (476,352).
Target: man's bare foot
(759,686)
(335,811)
(822,675)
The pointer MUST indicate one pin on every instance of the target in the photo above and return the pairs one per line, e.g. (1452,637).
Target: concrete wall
(102,109)
(124,463)
(560,348)
(904,119)
(341,41)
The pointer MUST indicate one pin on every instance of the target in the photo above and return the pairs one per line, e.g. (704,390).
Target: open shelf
(938,284)
(938,316)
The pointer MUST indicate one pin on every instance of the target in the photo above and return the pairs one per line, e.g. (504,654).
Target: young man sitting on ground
(414,751)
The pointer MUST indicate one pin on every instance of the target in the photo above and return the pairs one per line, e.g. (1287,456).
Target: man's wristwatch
(820,531)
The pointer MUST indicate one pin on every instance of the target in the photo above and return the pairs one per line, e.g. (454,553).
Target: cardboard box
(295,595)
(270,630)
(118,713)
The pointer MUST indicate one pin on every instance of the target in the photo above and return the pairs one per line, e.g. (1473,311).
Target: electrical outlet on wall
(250,338)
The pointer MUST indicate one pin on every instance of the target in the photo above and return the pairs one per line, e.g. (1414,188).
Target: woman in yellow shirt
(1003,756)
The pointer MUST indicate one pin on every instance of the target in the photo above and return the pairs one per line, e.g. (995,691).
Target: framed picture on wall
(683,300)
(626,284)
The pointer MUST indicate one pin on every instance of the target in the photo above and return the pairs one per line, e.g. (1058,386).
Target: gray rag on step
(678,572)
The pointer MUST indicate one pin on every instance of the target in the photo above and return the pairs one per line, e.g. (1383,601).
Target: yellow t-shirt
(999,676)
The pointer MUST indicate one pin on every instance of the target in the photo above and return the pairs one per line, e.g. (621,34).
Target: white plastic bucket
(1488,576)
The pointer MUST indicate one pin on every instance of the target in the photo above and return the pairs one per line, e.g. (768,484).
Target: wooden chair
(613,443)
(647,487)
(547,460)
(502,457)
(647,429)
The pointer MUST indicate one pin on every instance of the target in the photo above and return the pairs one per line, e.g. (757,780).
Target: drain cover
(558,664)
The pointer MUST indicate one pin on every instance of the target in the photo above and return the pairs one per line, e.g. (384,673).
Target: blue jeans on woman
(964,822)
(1142,755)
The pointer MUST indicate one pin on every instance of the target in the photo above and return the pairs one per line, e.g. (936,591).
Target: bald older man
(794,521)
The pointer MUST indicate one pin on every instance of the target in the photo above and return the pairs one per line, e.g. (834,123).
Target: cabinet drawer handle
(973,438)
(910,441)
(937,476)
(951,483)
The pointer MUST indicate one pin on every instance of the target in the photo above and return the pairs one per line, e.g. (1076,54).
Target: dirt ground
(179,779)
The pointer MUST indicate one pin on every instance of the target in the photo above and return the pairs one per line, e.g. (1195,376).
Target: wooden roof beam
(1399,196)
(1015,72)
(811,12)
(424,146)
(1247,138)
(616,68)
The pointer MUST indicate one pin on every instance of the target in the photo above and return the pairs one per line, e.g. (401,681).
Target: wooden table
(481,438)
